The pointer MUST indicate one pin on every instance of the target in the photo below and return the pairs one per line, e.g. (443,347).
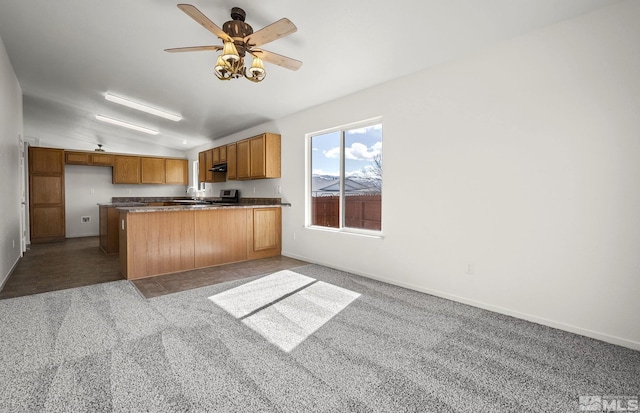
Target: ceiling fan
(238,39)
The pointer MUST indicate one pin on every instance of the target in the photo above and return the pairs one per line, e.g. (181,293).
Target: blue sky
(362,145)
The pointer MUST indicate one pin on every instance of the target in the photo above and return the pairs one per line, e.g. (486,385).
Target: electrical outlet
(254,189)
(469,270)
(93,191)
(294,236)
(278,189)
(14,243)
(85,220)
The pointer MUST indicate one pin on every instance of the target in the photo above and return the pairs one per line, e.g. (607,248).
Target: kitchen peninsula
(158,240)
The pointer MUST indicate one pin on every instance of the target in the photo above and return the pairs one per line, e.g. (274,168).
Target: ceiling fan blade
(197,15)
(277,59)
(193,49)
(274,31)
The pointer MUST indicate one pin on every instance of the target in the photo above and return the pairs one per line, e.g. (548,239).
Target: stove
(227,196)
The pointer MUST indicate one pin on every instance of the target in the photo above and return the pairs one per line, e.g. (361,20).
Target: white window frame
(309,173)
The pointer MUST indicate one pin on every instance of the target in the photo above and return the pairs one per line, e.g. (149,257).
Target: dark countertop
(136,209)
(122,204)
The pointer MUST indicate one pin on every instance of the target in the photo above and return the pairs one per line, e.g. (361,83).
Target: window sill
(349,231)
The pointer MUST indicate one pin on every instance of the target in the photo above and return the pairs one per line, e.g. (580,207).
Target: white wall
(86,186)
(522,160)
(10,130)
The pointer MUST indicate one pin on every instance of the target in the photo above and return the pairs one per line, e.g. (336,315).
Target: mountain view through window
(346,178)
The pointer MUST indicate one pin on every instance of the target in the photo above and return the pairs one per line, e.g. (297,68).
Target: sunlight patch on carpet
(285,307)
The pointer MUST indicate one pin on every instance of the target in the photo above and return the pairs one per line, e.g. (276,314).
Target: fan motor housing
(237,28)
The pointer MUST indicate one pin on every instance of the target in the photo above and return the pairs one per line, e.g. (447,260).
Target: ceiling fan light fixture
(230,53)
(257,73)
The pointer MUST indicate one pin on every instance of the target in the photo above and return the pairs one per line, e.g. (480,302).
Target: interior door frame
(24,143)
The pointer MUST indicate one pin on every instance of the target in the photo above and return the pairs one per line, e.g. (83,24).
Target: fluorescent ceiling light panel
(126,124)
(140,106)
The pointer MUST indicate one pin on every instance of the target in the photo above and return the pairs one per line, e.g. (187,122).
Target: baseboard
(634,345)
(8,275)
(82,235)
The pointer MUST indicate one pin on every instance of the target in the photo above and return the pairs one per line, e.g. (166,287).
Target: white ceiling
(68,53)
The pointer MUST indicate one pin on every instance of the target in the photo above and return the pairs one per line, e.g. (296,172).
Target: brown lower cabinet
(109,242)
(161,242)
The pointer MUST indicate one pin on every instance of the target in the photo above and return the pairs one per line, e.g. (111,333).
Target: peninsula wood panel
(221,236)
(158,243)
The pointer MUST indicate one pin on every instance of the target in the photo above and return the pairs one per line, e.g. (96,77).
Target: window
(346,178)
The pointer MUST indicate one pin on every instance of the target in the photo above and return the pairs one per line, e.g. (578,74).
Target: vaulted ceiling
(67,54)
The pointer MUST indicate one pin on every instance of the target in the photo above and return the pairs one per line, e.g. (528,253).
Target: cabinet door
(76,158)
(266,236)
(101,159)
(46,160)
(177,171)
(46,194)
(208,164)
(257,157)
(202,171)
(232,170)
(153,170)
(126,169)
(243,159)
(216,156)
(223,154)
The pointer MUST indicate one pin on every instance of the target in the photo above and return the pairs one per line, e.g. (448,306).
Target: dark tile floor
(78,262)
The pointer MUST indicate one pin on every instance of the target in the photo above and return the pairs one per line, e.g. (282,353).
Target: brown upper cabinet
(243,159)
(152,170)
(88,158)
(253,158)
(46,194)
(259,157)
(126,169)
(219,155)
(177,171)
(206,160)
(232,158)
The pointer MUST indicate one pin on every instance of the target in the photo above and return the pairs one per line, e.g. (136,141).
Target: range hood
(219,168)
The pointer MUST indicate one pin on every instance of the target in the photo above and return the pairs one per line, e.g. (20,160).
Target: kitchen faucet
(195,192)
